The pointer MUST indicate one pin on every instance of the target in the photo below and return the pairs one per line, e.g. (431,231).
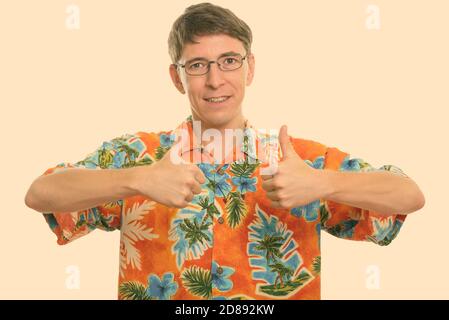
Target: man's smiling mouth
(217,99)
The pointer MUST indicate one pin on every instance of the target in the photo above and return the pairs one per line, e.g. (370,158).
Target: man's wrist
(132,180)
(328,182)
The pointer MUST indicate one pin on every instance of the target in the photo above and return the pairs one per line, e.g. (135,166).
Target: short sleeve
(122,152)
(353,223)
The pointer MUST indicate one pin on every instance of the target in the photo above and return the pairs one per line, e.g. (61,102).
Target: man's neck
(238,123)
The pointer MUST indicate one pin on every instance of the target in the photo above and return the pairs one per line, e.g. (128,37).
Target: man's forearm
(382,192)
(79,189)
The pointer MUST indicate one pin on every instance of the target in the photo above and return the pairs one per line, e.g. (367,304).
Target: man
(207,221)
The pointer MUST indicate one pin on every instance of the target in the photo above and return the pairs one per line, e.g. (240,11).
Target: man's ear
(176,79)
(251,67)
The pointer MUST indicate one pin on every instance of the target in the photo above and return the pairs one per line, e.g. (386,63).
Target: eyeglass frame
(209,62)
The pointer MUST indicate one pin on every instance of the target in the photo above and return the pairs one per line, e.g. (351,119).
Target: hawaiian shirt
(228,243)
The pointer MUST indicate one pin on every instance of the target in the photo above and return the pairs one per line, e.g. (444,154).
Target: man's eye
(230,60)
(196,65)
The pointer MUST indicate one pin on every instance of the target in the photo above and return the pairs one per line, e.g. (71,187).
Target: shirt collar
(258,146)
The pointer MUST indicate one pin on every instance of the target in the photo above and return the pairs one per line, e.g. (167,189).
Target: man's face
(216,83)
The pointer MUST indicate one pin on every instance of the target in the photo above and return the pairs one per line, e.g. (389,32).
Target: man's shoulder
(153,140)
(303,143)
(150,135)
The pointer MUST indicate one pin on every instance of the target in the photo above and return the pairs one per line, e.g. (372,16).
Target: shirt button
(219,270)
(220,220)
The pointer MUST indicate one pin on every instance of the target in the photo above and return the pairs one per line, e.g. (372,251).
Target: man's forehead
(211,46)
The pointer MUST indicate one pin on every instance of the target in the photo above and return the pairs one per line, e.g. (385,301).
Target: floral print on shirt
(228,243)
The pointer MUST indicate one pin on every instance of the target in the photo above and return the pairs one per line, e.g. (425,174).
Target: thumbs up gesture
(171,181)
(295,183)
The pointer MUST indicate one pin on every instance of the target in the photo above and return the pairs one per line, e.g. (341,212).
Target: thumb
(286,145)
(177,150)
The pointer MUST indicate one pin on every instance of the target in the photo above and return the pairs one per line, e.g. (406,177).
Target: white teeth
(219,99)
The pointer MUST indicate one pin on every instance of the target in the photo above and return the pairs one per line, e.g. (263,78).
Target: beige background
(381,95)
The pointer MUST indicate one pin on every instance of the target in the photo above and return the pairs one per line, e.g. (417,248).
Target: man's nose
(215,76)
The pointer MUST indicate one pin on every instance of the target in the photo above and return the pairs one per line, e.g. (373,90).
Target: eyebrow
(226,54)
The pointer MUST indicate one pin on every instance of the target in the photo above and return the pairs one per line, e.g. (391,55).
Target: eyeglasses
(199,67)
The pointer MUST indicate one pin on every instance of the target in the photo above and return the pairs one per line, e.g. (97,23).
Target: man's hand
(168,183)
(295,183)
